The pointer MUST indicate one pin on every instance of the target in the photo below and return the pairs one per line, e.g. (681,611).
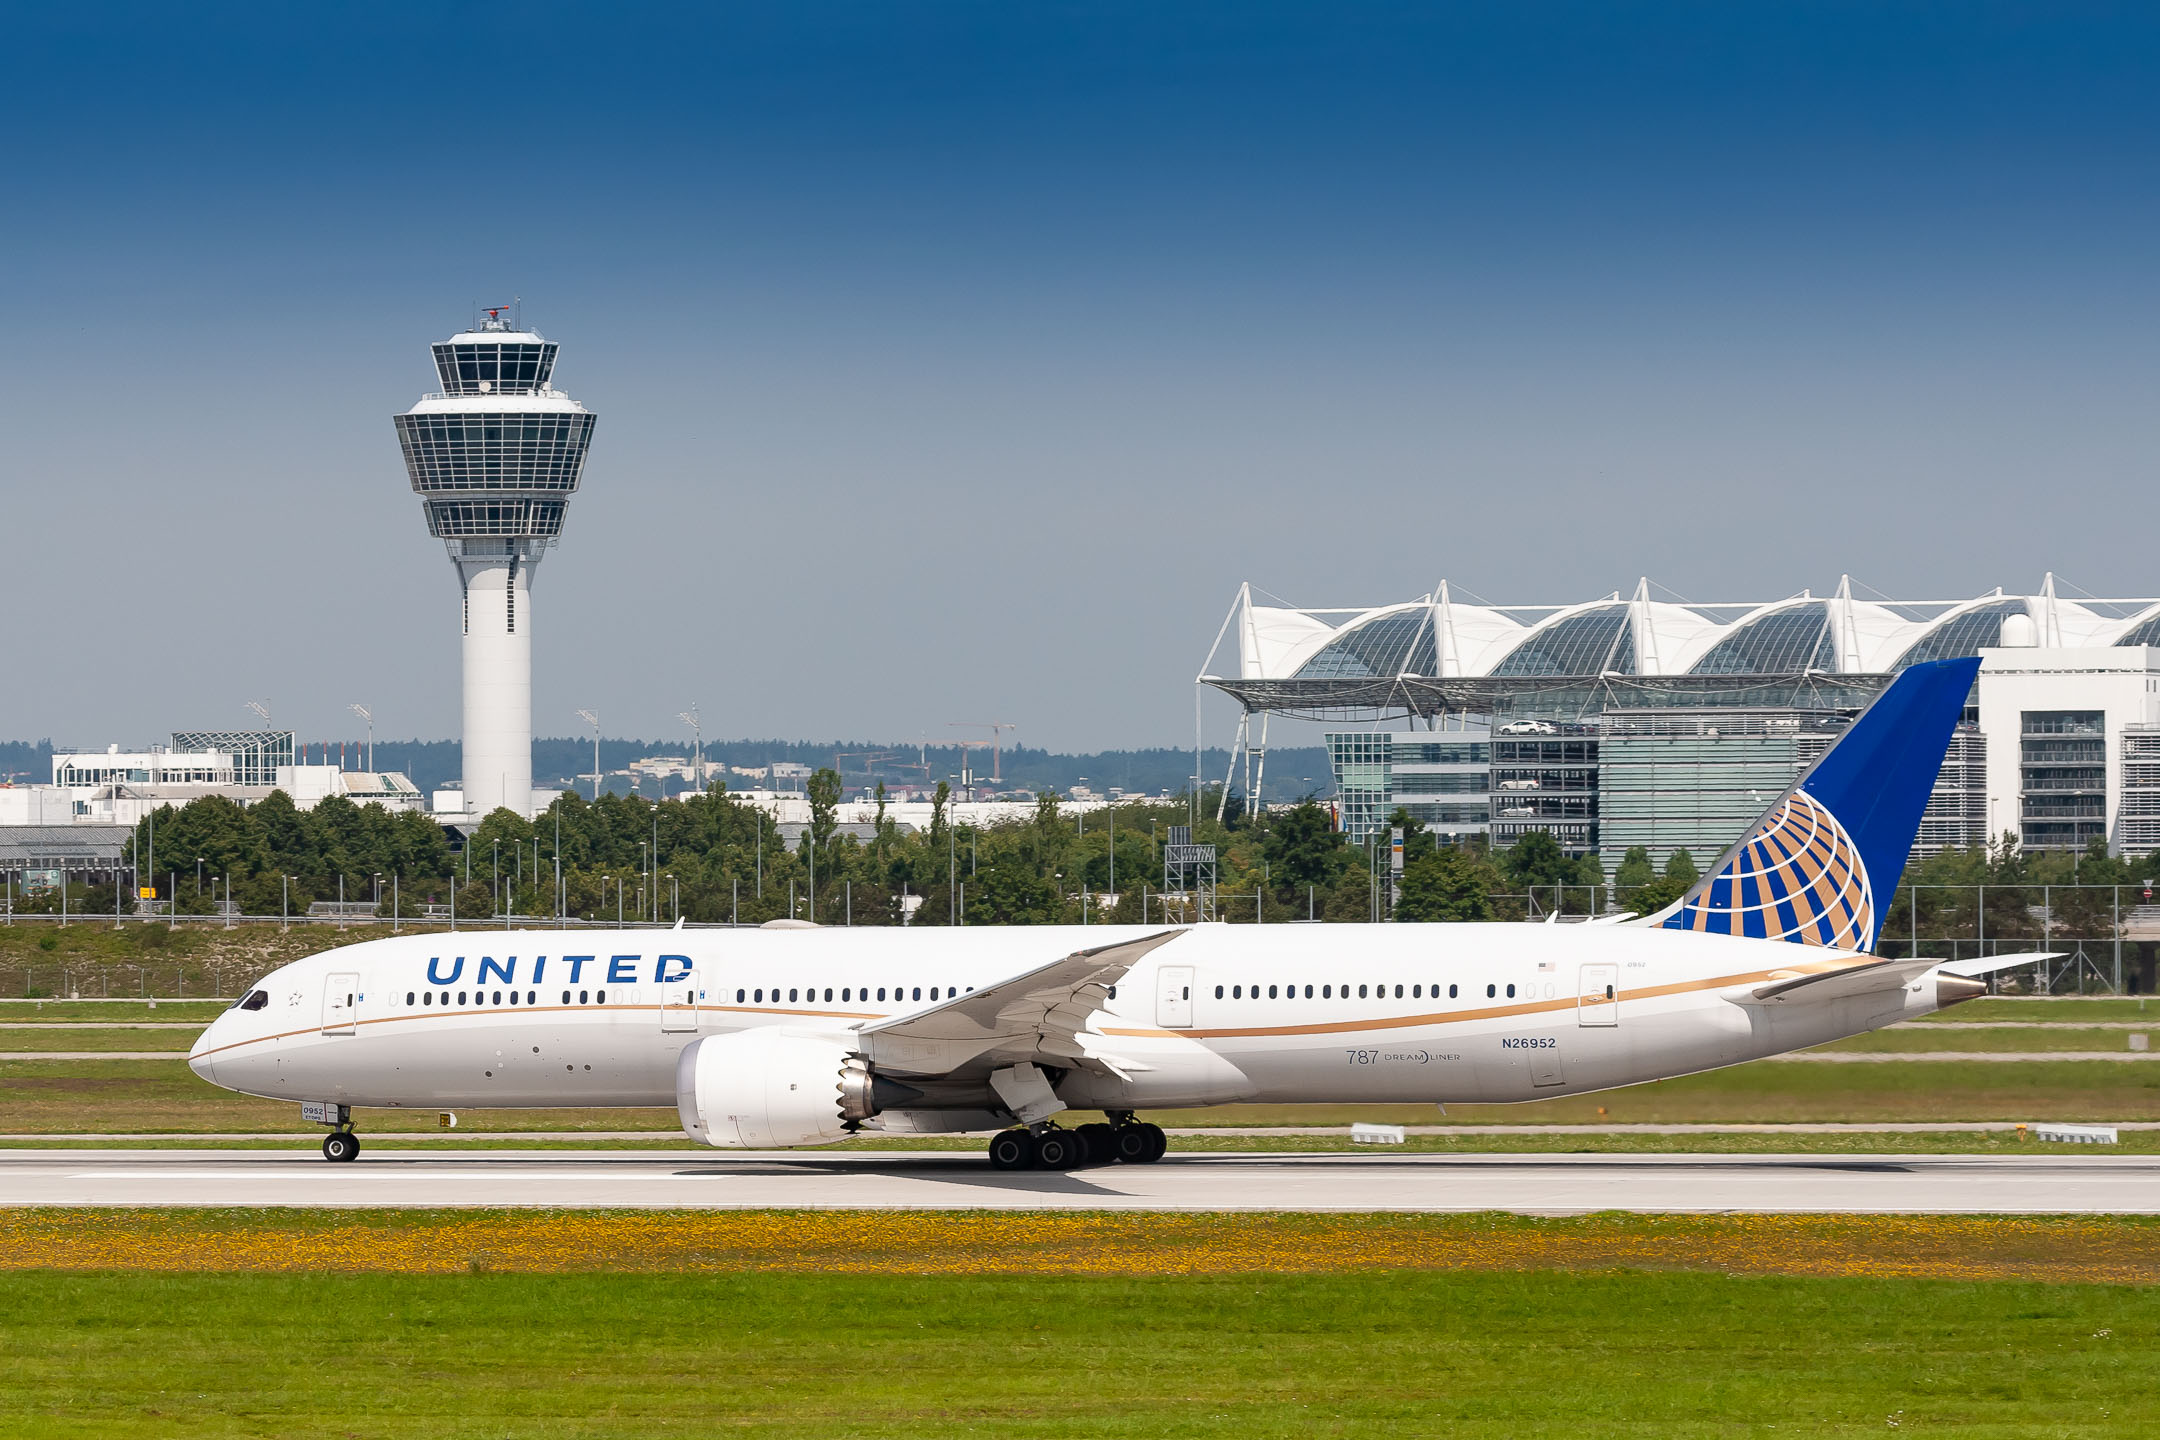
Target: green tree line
(712,857)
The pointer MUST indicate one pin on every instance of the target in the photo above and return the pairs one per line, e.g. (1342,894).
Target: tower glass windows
(508,366)
(449,519)
(494,451)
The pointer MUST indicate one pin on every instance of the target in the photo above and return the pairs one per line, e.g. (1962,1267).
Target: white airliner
(806,1035)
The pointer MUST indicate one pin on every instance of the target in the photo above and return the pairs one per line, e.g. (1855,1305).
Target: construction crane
(996,729)
(871,760)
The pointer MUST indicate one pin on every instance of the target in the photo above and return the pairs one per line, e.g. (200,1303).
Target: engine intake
(765,1089)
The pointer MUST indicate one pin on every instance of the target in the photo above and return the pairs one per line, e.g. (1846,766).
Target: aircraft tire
(1012,1150)
(1158,1143)
(1101,1143)
(1059,1150)
(340,1145)
(1131,1145)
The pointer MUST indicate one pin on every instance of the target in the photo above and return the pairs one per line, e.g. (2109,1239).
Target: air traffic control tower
(495,457)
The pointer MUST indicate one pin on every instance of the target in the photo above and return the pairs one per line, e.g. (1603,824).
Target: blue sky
(956,361)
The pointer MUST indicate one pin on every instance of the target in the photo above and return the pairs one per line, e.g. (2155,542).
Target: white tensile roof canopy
(1441,653)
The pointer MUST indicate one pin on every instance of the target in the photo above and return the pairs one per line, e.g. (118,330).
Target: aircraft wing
(1037,1017)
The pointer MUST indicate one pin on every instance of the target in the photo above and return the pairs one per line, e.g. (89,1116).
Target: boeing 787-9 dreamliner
(764,1037)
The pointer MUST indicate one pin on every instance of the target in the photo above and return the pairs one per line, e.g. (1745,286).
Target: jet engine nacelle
(761,1089)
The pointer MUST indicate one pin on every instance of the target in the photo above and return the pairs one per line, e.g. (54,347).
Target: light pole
(644,850)
(674,897)
(198,877)
(378,892)
(368,715)
(496,882)
(697,747)
(593,720)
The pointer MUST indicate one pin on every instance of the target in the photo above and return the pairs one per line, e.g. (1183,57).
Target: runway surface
(1535,1184)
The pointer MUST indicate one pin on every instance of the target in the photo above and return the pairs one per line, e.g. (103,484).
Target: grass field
(638,1325)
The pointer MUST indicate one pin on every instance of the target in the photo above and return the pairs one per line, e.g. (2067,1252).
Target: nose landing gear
(340,1144)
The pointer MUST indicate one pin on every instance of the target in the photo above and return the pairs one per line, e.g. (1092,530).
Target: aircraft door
(678,1004)
(1598,1001)
(1173,997)
(341,994)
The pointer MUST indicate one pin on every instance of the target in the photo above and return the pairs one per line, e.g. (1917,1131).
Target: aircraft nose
(199,1060)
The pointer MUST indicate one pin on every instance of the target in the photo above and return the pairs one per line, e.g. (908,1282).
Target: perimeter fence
(2087,939)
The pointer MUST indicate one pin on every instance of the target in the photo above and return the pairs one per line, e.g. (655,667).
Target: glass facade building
(1443,779)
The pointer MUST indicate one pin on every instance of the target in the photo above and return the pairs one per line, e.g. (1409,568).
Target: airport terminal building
(1628,720)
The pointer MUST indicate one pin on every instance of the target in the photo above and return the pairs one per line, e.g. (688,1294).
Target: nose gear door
(1173,997)
(340,996)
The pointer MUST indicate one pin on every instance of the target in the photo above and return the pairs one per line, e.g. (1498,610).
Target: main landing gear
(1125,1141)
(340,1145)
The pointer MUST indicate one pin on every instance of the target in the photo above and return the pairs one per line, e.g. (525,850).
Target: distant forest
(1291,773)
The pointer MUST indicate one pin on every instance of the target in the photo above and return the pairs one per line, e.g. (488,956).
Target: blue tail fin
(1821,862)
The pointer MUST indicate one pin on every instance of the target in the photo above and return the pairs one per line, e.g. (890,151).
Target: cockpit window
(253,1000)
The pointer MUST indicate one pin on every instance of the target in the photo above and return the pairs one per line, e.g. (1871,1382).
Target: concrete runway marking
(2062,1183)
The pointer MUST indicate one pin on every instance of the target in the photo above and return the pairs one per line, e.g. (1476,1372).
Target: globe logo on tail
(1797,877)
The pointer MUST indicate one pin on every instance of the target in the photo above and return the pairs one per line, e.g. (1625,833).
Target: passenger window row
(1327,992)
(849,994)
(483,997)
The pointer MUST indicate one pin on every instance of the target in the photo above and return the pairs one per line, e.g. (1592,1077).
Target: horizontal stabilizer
(1989,964)
(1862,979)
